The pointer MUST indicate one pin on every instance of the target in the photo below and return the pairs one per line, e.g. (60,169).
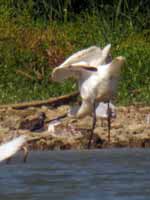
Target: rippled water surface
(115,174)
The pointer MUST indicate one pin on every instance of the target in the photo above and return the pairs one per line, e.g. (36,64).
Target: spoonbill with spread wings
(97,79)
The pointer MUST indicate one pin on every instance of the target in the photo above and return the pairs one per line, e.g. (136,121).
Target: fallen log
(54,102)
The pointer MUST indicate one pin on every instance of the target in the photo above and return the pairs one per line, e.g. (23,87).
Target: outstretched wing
(73,70)
(87,59)
(85,55)
(74,65)
(10,148)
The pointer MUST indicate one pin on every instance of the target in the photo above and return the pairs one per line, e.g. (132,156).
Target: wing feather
(85,55)
(82,61)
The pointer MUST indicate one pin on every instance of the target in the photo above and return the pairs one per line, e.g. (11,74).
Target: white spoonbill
(10,148)
(97,80)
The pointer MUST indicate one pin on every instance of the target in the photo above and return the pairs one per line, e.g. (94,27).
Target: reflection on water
(120,174)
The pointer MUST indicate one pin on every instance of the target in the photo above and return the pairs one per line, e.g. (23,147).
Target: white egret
(10,148)
(97,80)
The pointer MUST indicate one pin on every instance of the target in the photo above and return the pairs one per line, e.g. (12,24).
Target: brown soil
(131,128)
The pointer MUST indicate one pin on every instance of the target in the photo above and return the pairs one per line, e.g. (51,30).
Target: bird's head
(116,65)
(120,60)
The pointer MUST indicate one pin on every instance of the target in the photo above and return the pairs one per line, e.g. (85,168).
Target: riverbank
(131,128)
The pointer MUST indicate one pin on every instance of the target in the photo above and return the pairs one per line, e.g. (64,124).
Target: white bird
(102,110)
(10,148)
(97,80)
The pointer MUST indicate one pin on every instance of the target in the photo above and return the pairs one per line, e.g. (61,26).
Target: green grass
(26,65)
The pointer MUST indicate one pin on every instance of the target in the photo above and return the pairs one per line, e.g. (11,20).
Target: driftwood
(56,101)
(57,118)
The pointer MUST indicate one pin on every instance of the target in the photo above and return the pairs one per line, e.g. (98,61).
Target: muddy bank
(131,128)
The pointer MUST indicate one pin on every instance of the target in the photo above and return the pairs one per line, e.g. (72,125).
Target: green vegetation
(36,36)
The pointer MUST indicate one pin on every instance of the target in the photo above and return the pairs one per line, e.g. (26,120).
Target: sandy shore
(131,128)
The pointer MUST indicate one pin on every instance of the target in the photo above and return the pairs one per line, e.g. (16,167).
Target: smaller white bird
(106,111)
(10,148)
(102,110)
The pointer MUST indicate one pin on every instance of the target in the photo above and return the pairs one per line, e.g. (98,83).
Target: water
(110,174)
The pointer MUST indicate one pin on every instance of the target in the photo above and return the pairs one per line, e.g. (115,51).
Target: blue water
(110,174)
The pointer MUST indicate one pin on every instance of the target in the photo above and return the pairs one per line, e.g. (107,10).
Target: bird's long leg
(25,153)
(109,121)
(93,126)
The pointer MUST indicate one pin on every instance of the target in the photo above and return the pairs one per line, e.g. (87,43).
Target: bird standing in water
(97,79)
